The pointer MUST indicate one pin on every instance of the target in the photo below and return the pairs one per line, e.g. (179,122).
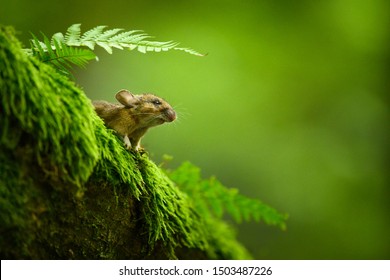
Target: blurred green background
(291,106)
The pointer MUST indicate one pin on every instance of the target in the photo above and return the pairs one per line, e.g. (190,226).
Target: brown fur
(135,115)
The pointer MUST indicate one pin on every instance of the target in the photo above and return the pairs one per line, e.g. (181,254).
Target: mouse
(135,114)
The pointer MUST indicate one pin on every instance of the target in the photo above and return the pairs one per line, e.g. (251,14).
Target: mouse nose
(171,115)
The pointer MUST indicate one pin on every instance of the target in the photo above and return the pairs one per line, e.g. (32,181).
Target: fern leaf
(59,37)
(48,46)
(37,48)
(109,34)
(72,36)
(190,51)
(59,54)
(123,37)
(89,37)
(115,38)
(76,48)
(212,199)
(105,46)
(92,33)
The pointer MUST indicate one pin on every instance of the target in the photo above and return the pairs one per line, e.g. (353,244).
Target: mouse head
(151,110)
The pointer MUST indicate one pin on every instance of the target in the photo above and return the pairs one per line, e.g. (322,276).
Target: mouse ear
(126,98)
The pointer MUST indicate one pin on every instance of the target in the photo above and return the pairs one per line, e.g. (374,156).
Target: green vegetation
(73,48)
(69,189)
(211,199)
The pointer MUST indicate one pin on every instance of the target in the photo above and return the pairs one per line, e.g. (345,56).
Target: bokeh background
(290,106)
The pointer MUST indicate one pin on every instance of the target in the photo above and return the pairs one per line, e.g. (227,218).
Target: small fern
(213,200)
(59,54)
(77,48)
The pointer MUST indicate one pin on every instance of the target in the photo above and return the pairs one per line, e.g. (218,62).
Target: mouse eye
(156,102)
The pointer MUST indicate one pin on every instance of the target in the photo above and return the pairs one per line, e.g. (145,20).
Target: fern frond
(72,36)
(76,47)
(213,199)
(57,53)
(117,38)
(89,37)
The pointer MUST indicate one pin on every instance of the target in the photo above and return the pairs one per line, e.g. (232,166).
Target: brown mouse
(135,115)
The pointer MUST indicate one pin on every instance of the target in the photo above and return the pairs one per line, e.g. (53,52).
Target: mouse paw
(139,149)
(127,142)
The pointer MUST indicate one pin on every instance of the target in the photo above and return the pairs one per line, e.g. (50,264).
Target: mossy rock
(68,188)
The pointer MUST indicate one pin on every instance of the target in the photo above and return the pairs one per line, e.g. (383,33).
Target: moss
(43,112)
(68,188)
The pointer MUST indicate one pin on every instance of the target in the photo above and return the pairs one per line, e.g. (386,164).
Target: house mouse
(134,116)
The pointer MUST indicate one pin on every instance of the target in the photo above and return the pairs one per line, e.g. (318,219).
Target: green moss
(42,110)
(168,212)
(68,188)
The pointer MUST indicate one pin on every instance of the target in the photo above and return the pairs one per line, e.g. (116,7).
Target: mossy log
(69,189)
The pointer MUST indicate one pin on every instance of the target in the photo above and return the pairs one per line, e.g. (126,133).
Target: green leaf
(76,48)
(212,199)
(57,37)
(60,55)
(105,46)
(108,34)
(72,36)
